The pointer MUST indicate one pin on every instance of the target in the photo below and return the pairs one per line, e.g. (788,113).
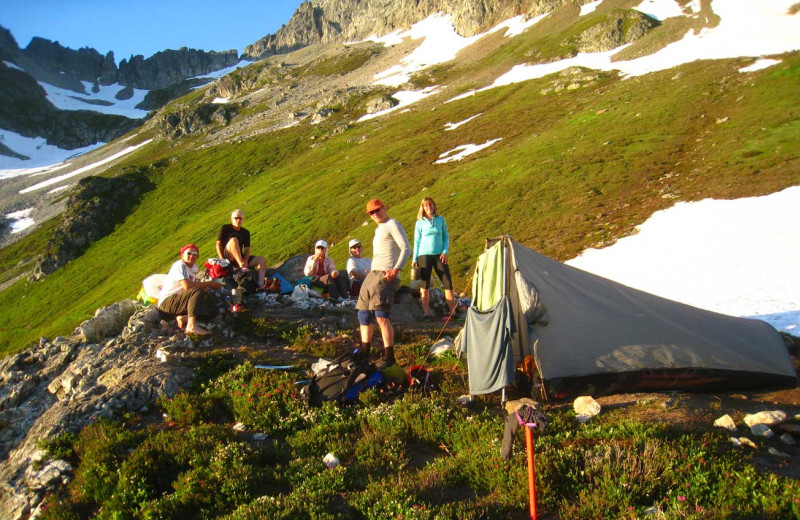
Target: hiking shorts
(430,263)
(376,293)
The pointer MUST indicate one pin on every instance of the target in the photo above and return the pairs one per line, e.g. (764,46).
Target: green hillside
(576,167)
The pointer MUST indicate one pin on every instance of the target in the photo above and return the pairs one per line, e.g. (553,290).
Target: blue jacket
(431,237)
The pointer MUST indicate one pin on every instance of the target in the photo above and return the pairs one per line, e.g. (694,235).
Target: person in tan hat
(390,251)
(233,244)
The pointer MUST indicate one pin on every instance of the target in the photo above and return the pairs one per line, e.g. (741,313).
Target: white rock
(441,346)
(736,442)
(464,400)
(761,430)
(770,418)
(773,451)
(747,442)
(330,460)
(726,422)
(259,436)
(586,405)
(239,427)
(788,439)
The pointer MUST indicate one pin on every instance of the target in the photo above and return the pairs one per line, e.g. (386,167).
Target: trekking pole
(531,472)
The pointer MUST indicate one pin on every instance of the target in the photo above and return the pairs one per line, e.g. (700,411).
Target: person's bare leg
(387,331)
(424,299)
(235,252)
(181,320)
(366,333)
(260,263)
(450,298)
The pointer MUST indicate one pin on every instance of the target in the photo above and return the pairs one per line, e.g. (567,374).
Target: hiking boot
(387,360)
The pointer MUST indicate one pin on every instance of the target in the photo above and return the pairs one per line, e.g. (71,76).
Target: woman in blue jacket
(431,245)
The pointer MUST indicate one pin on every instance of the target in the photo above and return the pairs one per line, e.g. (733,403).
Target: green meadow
(573,169)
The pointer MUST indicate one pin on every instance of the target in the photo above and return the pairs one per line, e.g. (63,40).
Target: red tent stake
(531,472)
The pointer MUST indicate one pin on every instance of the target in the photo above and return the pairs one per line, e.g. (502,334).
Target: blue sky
(145,26)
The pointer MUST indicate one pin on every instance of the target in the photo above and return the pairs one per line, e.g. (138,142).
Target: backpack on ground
(343,379)
(247,281)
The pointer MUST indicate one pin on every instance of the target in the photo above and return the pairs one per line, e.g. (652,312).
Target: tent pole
(531,472)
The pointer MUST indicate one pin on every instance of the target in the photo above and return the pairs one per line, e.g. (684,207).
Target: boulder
(770,418)
(585,408)
(725,422)
(108,321)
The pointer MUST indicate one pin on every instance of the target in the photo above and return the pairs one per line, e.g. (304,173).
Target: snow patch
(453,126)
(460,152)
(735,257)
(517,25)
(44,158)
(590,7)
(222,72)
(56,180)
(405,98)
(660,9)
(104,101)
(746,29)
(220,101)
(13,65)
(441,43)
(20,220)
(759,65)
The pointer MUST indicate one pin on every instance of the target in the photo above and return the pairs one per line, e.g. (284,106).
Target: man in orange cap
(390,250)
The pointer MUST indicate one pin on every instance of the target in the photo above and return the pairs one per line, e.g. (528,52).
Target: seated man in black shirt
(233,243)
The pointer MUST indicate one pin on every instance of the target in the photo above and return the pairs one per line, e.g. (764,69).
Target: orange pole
(531,472)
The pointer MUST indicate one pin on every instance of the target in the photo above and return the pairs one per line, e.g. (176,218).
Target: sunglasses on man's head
(320,247)
(356,247)
(374,211)
(238,218)
(192,253)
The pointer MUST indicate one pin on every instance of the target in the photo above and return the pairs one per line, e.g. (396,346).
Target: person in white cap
(323,273)
(357,267)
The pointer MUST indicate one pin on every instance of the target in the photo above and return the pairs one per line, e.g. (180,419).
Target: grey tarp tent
(590,335)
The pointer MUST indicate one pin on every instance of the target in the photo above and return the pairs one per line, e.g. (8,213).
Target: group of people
(373,282)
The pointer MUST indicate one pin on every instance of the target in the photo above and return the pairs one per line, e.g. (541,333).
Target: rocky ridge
(326,21)
(53,63)
(108,366)
(93,209)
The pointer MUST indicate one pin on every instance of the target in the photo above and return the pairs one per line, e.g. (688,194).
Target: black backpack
(345,377)
(246,281)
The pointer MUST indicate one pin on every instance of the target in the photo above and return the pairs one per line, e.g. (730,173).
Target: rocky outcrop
(61,386)
(8,45)
(325,21)
(94,207)
(84,64)
(169,67)
(191,120)
(619,27)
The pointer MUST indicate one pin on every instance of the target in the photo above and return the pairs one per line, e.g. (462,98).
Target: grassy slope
(573,169)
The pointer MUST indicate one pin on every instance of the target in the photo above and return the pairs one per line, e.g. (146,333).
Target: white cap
(354,242)
(321,243)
